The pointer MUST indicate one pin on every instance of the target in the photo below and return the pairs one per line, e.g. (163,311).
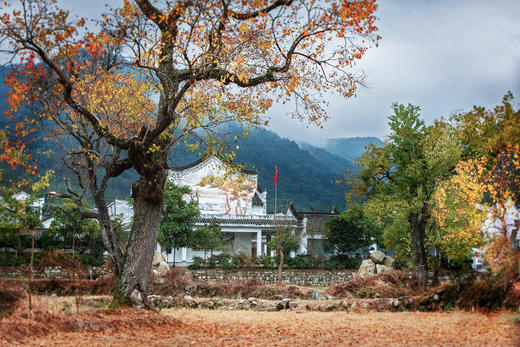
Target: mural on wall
(237,190)
(218,190)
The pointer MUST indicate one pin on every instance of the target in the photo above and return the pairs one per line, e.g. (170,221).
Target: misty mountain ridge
(350,148)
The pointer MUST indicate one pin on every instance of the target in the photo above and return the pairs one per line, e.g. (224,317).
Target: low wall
(316,278)
(60,272)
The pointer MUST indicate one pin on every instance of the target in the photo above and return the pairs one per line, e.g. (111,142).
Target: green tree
(400,179)
(176,229)
(70,230)
(351,230)
(208,238)
(17,218)
(284,242)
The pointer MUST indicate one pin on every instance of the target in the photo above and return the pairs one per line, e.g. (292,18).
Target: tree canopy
(352,230)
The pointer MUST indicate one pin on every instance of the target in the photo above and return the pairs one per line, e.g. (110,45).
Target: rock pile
(378,263)
(159,264)
(255,304)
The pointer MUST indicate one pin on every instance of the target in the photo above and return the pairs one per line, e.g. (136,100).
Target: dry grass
(11,298)
(391,284)
(174,327)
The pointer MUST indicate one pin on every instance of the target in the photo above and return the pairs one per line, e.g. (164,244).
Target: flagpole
(275,186)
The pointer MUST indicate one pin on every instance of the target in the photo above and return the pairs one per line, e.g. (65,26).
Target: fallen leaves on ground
(173,327)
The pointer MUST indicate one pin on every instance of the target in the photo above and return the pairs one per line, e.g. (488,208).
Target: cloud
(444,56)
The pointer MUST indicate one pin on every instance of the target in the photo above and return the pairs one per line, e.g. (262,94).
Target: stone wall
(15,272)
(320,278)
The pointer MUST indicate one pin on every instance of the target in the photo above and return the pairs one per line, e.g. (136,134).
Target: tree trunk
(417,230)
(73,245)
(107,233)
(30,275)
(147,193)
(280,268)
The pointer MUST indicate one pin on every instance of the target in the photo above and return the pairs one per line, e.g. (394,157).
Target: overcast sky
(444,56)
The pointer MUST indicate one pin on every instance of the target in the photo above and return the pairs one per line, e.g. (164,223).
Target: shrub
(197,264)
(300,262)
(342,261)
(353,263)
(268,262)
(222,260)
(10,299)
(239,261)
(90,260)
(391,284)
(172,282)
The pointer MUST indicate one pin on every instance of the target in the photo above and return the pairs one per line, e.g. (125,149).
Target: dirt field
(233,328)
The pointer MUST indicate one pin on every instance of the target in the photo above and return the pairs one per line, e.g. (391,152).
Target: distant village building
(313,224)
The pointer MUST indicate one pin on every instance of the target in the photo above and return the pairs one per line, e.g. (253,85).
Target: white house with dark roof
(235,201)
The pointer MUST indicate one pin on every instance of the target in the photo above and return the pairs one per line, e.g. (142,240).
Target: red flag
(275,176)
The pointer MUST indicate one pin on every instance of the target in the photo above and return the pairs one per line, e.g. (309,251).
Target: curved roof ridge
(202,160)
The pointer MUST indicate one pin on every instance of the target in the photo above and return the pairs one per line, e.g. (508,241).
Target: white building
(239,206)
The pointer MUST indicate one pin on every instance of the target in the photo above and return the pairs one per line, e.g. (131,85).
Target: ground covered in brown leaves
(130,327)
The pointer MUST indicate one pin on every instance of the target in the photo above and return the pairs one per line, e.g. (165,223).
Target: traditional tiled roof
(316,221)
(264,220)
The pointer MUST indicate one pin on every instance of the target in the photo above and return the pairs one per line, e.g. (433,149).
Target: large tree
(204,60)
(492,165)
(400,178)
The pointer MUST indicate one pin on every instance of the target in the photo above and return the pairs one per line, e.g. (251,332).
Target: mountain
(332,161)
(350,148)
(306,177)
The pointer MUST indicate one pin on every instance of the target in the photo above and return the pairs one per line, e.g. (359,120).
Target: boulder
(294,305)
(389,261)
(367,268)
(328,306)
(162,268)
(158,258)
(382,268)
(317,295)
(190,302)
(283,305)
(377,257)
